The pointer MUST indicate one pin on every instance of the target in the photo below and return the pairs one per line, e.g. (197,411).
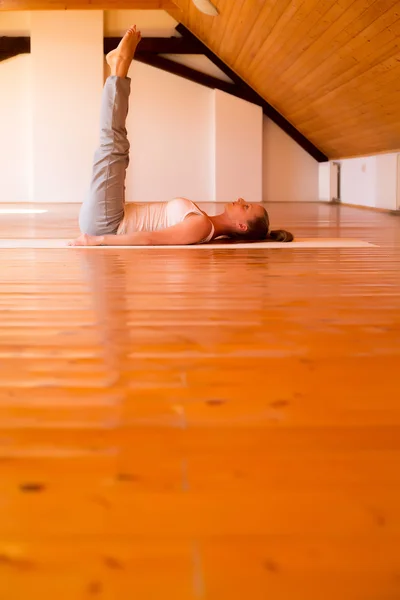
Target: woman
(105,220)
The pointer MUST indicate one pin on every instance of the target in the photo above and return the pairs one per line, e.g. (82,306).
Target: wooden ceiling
(332,68)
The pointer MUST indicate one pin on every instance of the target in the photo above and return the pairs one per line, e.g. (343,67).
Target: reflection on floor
(192,425)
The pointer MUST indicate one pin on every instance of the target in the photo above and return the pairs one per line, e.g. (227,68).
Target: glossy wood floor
(201,425)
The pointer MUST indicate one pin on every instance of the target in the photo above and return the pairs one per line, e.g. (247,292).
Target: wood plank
(115,571)
(33,511)
(330,43)
(245,11)
(305,59)
(289,566)
(356,55)
(286,47)
(237,432)
(357,93)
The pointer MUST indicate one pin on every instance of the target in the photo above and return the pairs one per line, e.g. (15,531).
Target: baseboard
(387,211)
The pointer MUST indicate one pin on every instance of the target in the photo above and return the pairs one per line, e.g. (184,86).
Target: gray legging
(103,208)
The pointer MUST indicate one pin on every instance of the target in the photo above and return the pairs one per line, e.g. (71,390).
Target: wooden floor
(201,425)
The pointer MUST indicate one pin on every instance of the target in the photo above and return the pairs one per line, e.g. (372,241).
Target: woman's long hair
(258,230)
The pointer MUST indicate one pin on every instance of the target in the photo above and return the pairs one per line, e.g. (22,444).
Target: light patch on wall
(22,211)
(156,23)
(199,63)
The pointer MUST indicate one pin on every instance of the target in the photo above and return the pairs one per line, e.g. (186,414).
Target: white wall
(358,181)
(238,135)
(386,181)
(328,181)
(15,121)
(370,181)
(152,23)
(169,127)
(398,183)
(185,139)
(289,172)
(67,74)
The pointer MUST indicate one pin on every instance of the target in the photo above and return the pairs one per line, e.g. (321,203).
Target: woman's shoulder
(182,207)
(186,210)
(184,202)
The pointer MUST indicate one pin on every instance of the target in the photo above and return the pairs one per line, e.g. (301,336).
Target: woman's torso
(153,216)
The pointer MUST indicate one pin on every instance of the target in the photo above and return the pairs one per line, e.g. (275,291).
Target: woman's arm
(192,230)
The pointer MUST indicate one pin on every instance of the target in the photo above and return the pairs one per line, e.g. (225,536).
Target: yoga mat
(299,243)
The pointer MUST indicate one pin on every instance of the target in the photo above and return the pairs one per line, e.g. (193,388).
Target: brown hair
(258,229)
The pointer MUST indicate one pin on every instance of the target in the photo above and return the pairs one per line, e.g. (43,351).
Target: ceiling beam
(87,5)
(148,53)
(268,110)
(12,46)
(165,64)
(154,45)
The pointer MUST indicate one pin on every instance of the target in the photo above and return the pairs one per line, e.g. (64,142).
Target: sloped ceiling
(332,68)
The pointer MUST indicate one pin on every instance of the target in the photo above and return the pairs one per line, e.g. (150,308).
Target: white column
(386,181)
(238,131)
(169,128)
(398,183)
(15,129)
(290,174)
(67,79)
(327,181)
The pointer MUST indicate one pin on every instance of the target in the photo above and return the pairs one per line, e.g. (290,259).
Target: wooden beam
(159,45)
(12,46)
(149,47)
(253,96)
(87,4)
(148,53)
(165,64)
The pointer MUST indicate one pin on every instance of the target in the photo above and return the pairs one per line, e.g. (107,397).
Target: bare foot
(120,59)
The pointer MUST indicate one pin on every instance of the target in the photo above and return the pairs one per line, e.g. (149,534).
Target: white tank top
(154,216)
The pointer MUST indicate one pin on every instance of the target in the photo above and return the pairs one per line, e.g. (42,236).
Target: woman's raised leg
(103,208)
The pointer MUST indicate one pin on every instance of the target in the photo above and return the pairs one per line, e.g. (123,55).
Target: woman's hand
(87,240)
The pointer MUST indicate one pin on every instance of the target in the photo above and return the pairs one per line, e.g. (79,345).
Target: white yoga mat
(299,243)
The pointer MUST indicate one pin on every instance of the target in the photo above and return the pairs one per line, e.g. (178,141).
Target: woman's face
(241,211)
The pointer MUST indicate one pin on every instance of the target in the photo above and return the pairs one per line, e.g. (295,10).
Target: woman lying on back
(105,219)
